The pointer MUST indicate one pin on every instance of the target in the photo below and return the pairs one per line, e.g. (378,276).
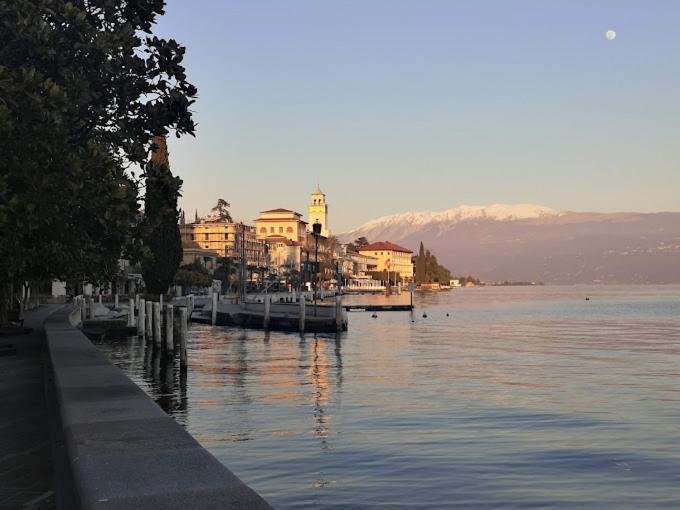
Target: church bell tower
(318,211)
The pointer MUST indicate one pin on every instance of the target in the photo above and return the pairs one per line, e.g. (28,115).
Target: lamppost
(316,232)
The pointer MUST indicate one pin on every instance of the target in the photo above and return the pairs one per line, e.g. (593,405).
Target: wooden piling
(157,324)
(149,319)
(169,316)
(183,321)
(302,314)
(115,300)
(267,311)
(91,308)
(338,312)
(141,319)
(214,309)
(131,313)
(160,300)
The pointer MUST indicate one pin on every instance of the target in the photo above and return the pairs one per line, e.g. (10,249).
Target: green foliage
(361,242)
(428,269)
(162,240)
(83,88)
(187,278)
(221,211)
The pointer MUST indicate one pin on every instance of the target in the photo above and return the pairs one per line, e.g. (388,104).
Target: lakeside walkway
(26,467)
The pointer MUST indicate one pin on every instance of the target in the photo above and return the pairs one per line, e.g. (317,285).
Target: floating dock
(378,308)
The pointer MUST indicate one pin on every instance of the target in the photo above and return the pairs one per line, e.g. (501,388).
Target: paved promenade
(26,473)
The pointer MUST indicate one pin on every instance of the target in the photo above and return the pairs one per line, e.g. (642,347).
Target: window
(271,229)
(191,236)
(263,230)
(206,236)
(289,230)
(226,235)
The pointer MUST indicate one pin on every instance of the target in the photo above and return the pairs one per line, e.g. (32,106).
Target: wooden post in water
(141,319)
(99,298)
(149,319)
(91,307)
(160,300)
(115,300)
(157,324)
(267,311)
(183,321)
(131,313)
(169,340)
(338,312)
(137,301)
(83,309)
(302,314)
(214,309)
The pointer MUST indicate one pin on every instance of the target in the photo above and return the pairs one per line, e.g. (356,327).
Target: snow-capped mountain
(526,242)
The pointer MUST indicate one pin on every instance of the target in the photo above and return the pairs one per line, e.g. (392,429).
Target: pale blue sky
(426,105)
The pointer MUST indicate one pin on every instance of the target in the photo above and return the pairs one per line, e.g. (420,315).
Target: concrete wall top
(122,449)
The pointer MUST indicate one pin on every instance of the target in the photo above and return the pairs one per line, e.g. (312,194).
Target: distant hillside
(532,243)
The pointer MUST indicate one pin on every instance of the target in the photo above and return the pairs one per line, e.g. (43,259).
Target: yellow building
(281,222)
(318,211)
(390,257)
(224,239)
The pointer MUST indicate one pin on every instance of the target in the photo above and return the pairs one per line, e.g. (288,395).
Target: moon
(610,35)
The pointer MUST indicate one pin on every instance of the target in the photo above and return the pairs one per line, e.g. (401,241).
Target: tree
(162,240)
(84,85)
(361,242)
(221,211)
(421,265)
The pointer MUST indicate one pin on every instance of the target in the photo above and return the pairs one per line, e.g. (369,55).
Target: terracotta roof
(384,246)
(280,210)
(281,220)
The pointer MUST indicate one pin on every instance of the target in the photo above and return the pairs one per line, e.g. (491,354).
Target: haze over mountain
(526,242)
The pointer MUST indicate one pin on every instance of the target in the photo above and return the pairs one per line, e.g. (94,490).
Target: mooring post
(99,298)
(169,341)
(149,319)
(157,324)
(183,335)
(83,309)
(91,308)
(137,301)
(267,311)
(115,301)
(302,314)
(141,319)
(338,312)
(160,300)
(214,309)
(131,313)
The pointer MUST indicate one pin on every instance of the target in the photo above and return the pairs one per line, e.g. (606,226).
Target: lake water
(522,397)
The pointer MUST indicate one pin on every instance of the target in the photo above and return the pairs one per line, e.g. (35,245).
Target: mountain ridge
(530,242)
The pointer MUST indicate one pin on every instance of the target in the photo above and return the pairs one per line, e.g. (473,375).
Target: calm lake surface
(523,397)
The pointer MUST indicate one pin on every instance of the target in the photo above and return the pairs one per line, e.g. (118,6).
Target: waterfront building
(224,239)
(281,222)
(390,257)
(318,211)
(283,253)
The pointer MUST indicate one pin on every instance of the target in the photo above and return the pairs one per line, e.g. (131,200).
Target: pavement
(26,466)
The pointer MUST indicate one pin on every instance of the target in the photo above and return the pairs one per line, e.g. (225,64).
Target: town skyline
(429,106)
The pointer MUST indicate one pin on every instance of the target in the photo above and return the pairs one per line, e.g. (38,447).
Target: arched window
(263,230)
(280,230)
(271,229)
(289,230)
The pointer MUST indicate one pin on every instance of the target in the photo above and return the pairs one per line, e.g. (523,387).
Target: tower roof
(317,191)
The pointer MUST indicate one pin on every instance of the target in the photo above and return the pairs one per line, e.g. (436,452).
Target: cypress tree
(421,275)
(162,240)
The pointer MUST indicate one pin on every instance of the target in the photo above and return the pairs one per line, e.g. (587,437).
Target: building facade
(281,222)
(390,257)
(225,239)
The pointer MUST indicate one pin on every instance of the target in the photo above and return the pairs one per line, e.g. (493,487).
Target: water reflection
(519,398)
